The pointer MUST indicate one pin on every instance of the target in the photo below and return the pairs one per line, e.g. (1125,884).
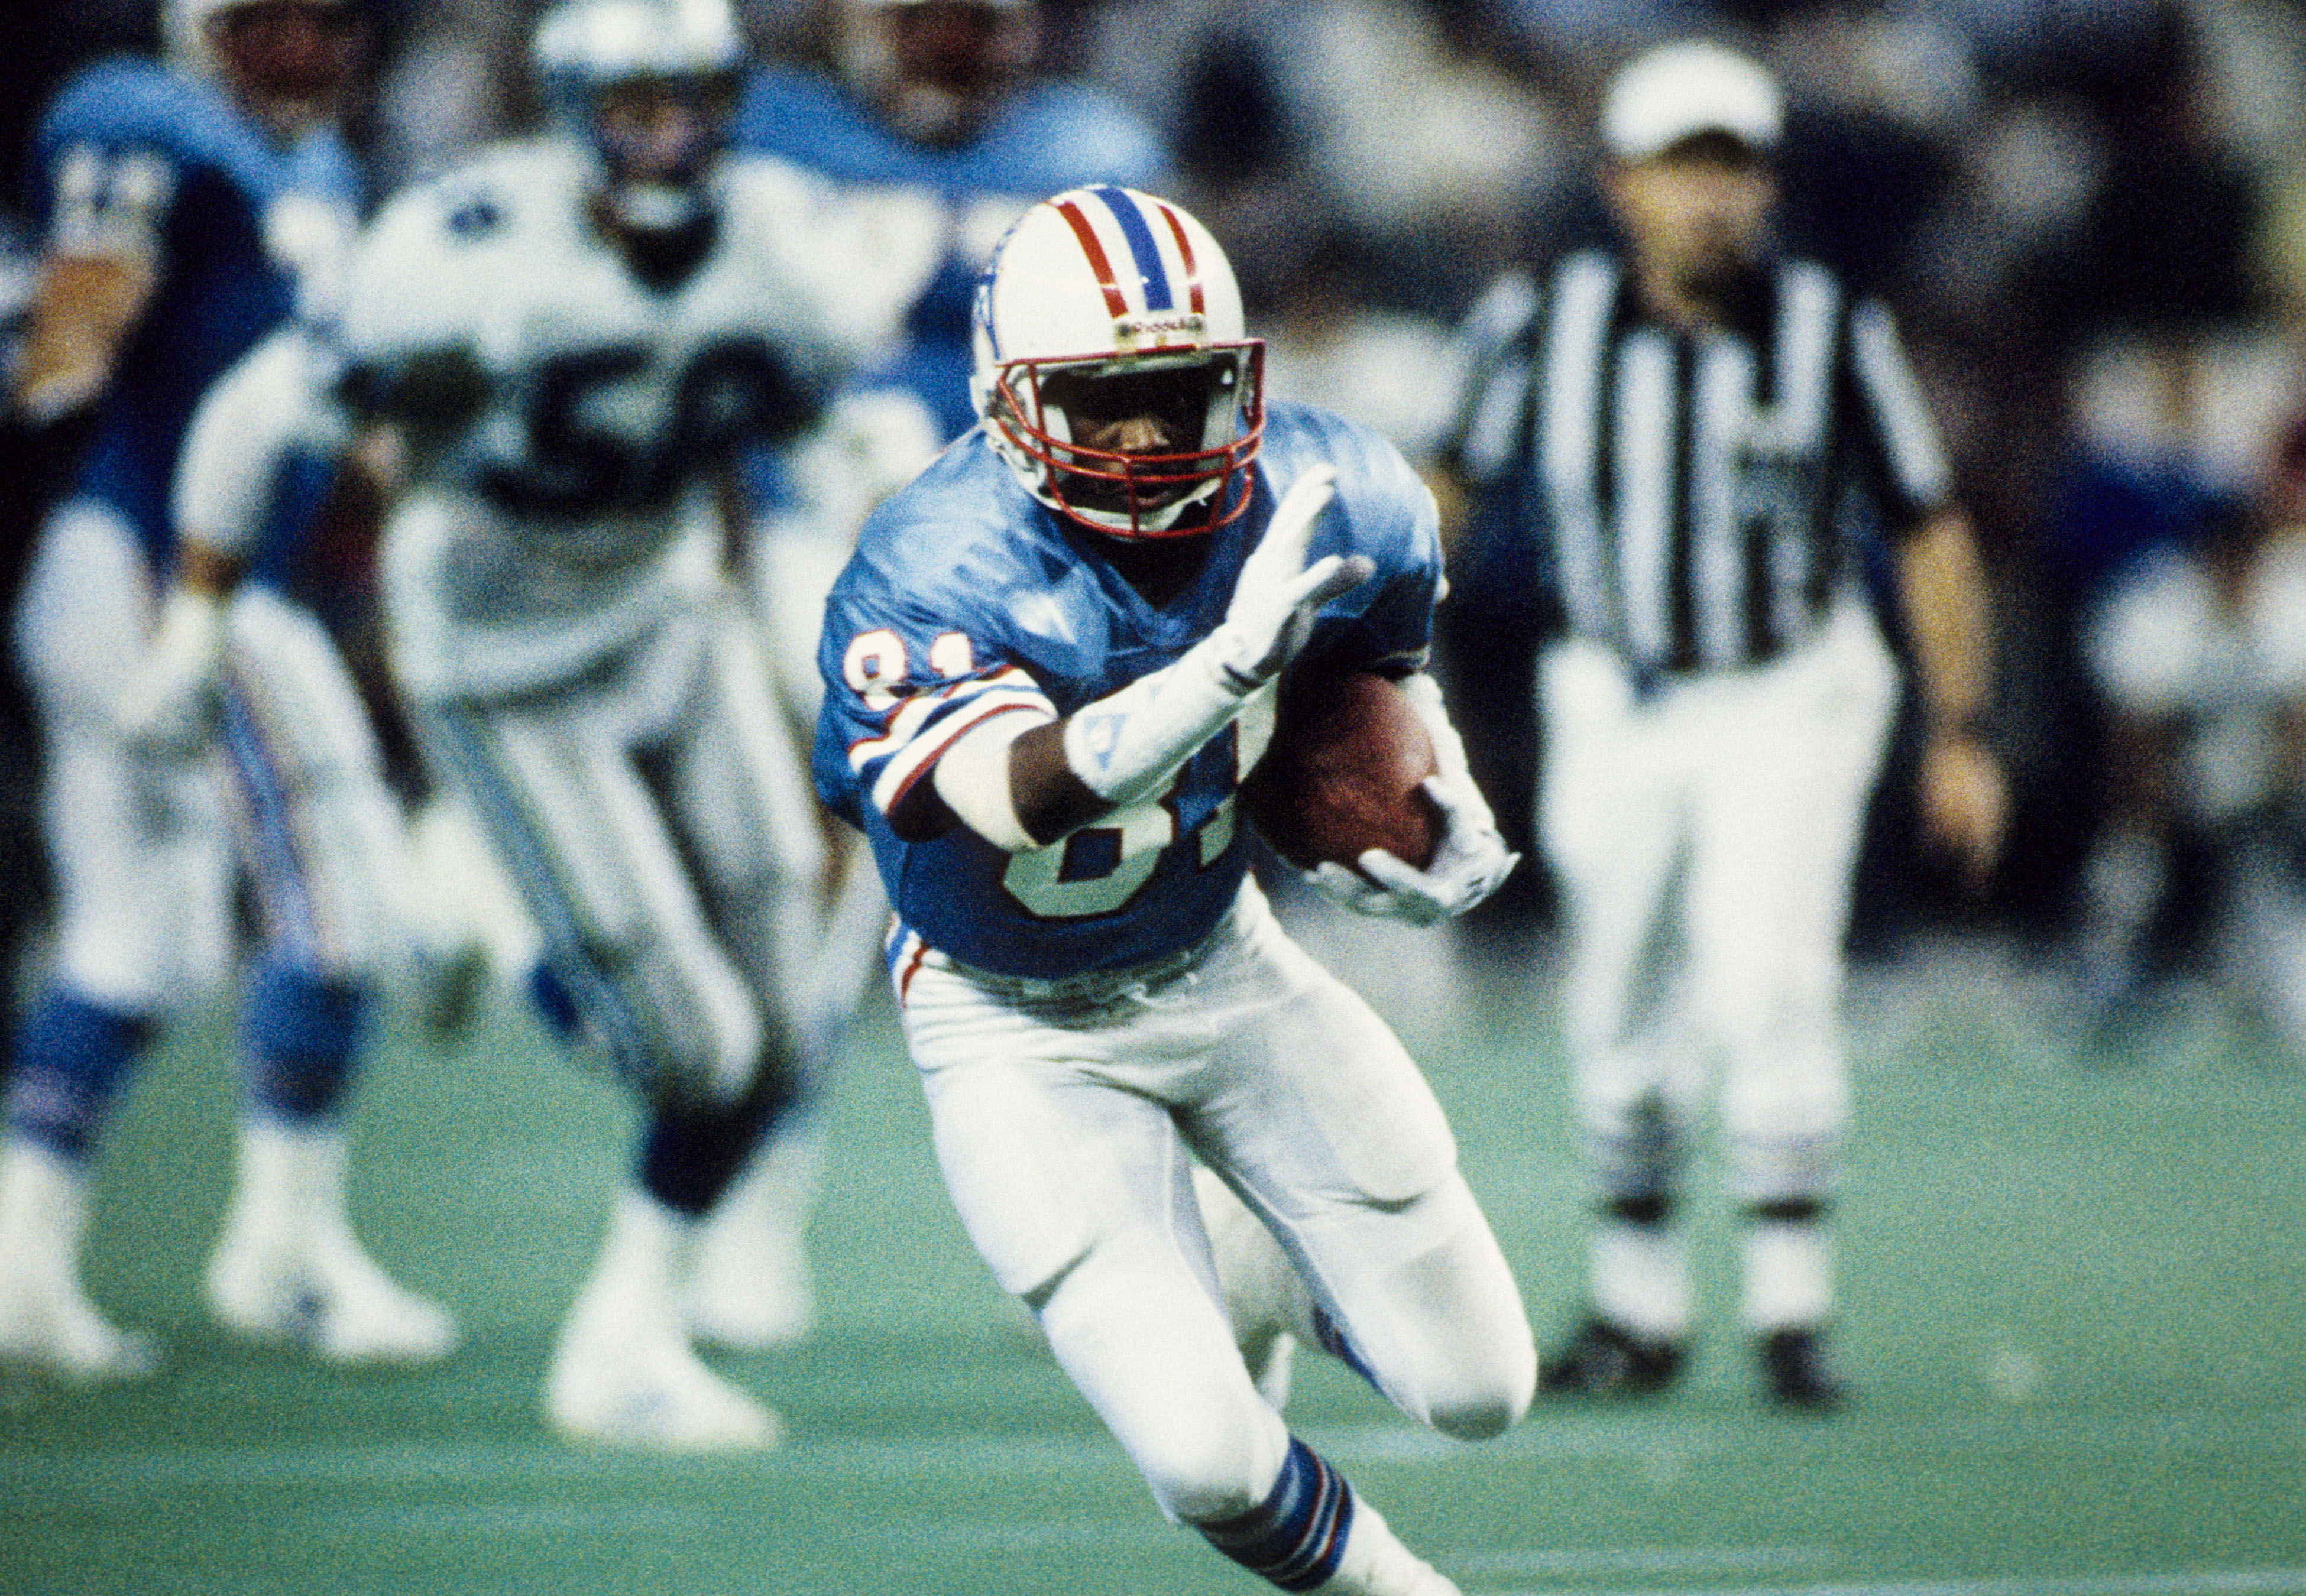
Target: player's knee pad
(1461,1358)
(80,622)
(1769,993)
(142,867)
(301,1031)
(72,1056)
(1766,1170)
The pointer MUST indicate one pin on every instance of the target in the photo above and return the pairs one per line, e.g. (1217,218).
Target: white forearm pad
(246,426)
(1128,744)
(972,777)
(1424,696)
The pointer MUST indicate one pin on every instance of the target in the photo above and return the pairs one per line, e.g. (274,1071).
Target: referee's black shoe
(1798,1376)
(1603,1360)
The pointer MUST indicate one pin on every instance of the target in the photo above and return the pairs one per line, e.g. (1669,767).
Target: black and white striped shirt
(1693,497)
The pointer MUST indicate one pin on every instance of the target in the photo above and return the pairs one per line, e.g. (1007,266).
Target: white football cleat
(624,1374)
(47,1325)
(1266,1300)
(1376,1563)
(651,1393)
(287,1268)
(328,1296)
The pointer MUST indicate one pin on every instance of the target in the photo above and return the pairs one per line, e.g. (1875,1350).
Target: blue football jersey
(238,220)
(967,598)
(1046,138)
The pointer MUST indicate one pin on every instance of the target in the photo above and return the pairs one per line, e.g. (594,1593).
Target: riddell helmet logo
(1138,332)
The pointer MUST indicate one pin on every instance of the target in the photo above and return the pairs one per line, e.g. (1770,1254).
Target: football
(1341,775)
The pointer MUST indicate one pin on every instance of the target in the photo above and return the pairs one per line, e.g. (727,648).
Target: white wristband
(1127,744)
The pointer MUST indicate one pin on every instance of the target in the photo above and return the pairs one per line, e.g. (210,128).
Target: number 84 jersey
(566,411)
(967,599)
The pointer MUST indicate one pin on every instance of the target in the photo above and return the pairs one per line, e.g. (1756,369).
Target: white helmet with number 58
(1113,369)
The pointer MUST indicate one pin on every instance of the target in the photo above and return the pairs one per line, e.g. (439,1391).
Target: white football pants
(1703,837)
(1063,1112)
(142,847)
(655,817)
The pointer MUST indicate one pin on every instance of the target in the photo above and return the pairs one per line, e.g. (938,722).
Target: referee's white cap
(1678,91)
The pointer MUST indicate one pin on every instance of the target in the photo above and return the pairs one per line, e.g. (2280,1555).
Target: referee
(1690,443)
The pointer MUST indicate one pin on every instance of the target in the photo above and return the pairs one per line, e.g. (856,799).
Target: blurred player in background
(565,341)
(2198,651)
(1692,442)
(188,208)
(1048,665)
(936,95)
(936,98)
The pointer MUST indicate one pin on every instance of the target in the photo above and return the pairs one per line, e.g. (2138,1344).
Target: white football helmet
(691,51)
(1105,304)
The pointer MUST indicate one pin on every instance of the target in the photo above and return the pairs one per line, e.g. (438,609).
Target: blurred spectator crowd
(2089,214)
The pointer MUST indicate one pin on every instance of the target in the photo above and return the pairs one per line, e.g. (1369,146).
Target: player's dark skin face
(1160,412)
(659,129)
(288,62)
(964,51)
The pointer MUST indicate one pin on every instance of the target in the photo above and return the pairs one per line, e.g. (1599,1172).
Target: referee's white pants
(1063,1112)
(1704,838)
(142,847)
(653,815)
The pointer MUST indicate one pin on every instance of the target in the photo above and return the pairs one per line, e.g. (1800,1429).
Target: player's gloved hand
(168,707)
(1126,746)
(1469,863)
(1279,595)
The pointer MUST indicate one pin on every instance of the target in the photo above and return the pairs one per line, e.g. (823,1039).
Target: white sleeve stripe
(1910,438)
(914,716)
(898,776)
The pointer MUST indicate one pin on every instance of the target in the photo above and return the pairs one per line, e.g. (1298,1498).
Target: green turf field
(2076,1312)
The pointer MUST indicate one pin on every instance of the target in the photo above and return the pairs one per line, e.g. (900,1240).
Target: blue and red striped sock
(1295,1538)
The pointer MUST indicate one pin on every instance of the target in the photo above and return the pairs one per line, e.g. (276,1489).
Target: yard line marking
(1648,1560)
(129,1474)
(2017,1430)
(2227,1582)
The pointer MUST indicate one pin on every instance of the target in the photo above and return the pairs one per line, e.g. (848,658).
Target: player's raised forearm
(1027,790)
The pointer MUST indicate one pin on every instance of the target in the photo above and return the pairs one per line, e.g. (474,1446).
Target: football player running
(565,342)
(1045,669)
(190,207)
(937,97)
